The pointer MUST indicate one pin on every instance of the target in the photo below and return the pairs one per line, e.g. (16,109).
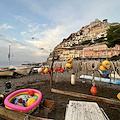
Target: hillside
(93,34)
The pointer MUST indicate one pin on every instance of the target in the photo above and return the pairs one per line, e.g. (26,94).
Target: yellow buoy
(106,64)
(118,96)
(30,101)
(68,65)
(102,68)
(46,70)
(69,60)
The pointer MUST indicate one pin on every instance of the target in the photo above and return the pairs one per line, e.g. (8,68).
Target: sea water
(4,64)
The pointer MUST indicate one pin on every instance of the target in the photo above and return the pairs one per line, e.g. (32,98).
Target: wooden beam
(90,97)
(15,115)
(51,75)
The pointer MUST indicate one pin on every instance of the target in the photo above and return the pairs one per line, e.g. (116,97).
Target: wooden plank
(80,110)
(48,104)
(90,97)
(15,115)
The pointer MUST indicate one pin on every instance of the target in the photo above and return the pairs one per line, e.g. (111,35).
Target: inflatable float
(107,80)
(24,100)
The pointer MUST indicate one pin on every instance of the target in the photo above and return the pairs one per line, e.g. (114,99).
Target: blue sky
(48,22)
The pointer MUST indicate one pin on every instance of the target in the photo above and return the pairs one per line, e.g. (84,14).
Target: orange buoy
(93,90)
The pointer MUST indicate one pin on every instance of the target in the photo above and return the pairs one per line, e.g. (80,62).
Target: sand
(42,82)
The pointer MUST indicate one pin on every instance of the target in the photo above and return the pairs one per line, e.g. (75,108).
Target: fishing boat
(23,70)
(24,100)
(6,72)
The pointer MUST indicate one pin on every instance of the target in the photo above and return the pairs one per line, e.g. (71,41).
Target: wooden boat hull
(7,72)
(22,70)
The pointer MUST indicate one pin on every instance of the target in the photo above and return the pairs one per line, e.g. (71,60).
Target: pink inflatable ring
(10,105)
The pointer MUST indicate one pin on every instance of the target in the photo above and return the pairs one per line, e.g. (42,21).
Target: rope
(93,65)
(84,68)
(64,65)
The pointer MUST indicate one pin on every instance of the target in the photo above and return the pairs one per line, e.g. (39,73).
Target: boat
(23,70)
(107,80)
(23,100)
(6,72)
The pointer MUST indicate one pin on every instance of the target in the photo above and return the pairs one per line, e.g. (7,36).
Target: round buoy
(55,69)
(93,90)
(59,68)
(46,70)
(43,71)
(68,65)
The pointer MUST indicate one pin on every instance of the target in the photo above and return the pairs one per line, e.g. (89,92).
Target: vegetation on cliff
(113,36)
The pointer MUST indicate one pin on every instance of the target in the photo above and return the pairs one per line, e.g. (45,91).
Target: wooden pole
(15,115)
(51,77)
(90,97)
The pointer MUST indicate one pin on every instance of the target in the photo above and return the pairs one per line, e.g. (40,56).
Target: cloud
(22,19)
(13,41)
(6,27)
(23,33)
(49,38)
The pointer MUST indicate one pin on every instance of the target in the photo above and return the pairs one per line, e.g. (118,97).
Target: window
(103,48)
(98,54)
(92,54)
(114,53)
(95,48)
(86,54)
(104,53)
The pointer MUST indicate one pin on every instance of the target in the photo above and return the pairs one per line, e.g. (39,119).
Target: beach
(41,82)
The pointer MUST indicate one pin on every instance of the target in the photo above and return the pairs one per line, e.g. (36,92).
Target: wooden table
(80,110)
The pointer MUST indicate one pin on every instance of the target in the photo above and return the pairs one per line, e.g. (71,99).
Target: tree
(113,36)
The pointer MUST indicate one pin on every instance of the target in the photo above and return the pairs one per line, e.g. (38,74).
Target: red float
(43,71)
(93,90)
(61,70)
(55,69)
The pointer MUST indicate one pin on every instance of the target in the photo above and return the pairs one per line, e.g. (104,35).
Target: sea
(4,64)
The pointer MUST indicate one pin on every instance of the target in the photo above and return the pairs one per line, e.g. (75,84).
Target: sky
(33,28)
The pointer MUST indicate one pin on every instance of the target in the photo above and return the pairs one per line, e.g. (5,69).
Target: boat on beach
(6,72)
(23,70)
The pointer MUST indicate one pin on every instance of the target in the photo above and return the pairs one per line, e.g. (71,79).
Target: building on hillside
(100,51)
(74,52)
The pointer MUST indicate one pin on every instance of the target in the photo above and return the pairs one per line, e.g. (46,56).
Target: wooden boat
(24,100)
(7,72)
(23,70)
